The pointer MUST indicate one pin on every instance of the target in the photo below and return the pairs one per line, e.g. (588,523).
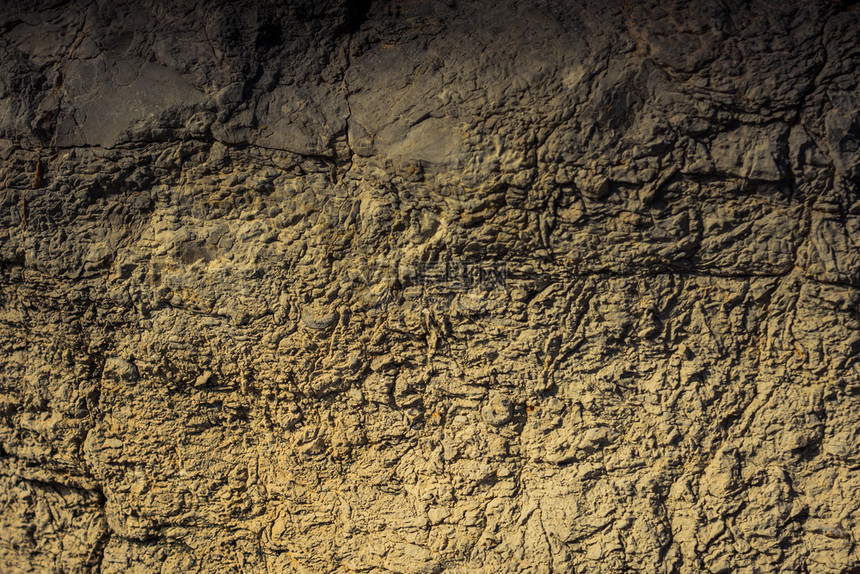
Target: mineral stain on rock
(425,286)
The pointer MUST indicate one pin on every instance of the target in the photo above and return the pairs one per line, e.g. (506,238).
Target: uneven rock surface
(425,286)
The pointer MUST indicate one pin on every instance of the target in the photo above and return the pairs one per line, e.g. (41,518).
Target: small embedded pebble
(318,322)
(498,410)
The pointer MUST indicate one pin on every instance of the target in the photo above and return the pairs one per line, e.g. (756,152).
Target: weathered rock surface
(425,286)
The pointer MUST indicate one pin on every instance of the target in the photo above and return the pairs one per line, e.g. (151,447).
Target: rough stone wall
(425,286)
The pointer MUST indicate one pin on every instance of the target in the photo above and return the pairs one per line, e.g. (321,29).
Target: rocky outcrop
(426,286)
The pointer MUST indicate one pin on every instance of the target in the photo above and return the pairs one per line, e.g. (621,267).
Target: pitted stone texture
(429,287)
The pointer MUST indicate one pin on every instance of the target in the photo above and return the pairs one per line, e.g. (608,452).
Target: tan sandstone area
(429,286)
